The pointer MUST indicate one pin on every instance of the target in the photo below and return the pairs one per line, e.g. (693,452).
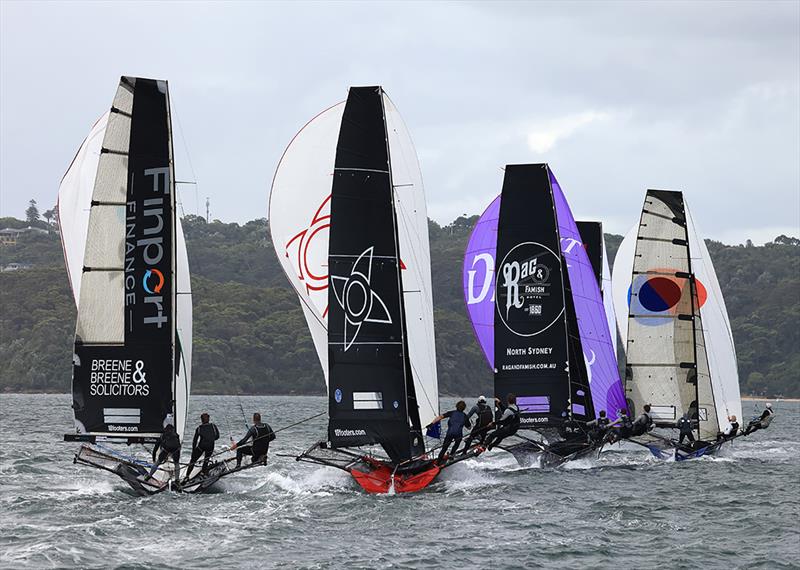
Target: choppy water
(739,510)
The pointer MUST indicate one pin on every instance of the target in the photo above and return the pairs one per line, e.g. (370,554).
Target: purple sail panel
(598,349)
(479,278)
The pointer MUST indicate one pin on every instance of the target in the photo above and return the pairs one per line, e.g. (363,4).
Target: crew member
(456,420)
(732,429)
(261,435)
(598,426)
(170,445)
(483,422)
(685,427)
(643,423)
(622,426)
(508,424)
(203,443)
(761,422)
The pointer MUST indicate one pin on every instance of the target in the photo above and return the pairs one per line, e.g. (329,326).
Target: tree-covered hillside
(250,335)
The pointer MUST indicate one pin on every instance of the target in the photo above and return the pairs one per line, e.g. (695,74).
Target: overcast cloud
(617,97)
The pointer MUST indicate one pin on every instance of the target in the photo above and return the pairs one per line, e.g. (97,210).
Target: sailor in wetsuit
(508,423)
(170,445)
(598,426)
(261,434)
(761,422)
(483,420)
(643,422)
(203,443)
(456,421)
(622,426)
(684,425)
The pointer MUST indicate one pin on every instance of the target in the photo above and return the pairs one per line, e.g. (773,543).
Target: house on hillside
(9,236)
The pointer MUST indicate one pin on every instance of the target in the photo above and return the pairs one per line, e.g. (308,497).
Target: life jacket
(648,419)
(602,423)
(684,425)
(513,421)
(264,435)
(485,416)
(768,420)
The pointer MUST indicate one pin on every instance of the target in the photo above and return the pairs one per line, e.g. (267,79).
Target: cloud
(544,137)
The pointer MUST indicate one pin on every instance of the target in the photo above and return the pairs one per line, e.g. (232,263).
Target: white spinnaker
(74,202)
(621,279)
(299,218)
(183,310)
(412,222)
(608,297)
(717,334)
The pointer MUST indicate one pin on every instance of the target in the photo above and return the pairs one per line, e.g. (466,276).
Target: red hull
(379,479)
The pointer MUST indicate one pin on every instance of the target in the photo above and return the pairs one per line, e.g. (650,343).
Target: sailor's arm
(250,433)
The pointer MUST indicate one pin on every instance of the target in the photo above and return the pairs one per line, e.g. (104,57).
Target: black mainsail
(371,390)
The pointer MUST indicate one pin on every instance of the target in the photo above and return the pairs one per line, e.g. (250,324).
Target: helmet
(482,399)
(769,405)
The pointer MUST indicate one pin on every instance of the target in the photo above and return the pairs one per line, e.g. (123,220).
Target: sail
(621,283)
(716,331)
(479,279)
(299,214)
(371,391)
(183,331)
(595,245)
(415,262)
(667,356)
(530,321)
(123,373)
(299,218)
(596,343)
(74,203)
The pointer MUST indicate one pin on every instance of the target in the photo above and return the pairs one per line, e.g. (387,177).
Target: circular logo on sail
(659,293)
(155,278)
(337,395)
(526,300)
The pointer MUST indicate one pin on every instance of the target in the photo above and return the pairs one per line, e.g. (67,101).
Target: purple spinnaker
(479,278)
(598,349)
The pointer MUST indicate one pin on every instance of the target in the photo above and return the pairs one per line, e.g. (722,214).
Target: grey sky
(617,97)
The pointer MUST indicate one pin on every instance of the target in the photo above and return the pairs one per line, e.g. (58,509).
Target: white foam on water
(465,476)
(319,482)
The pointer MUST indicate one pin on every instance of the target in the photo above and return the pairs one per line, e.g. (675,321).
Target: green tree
(32,213)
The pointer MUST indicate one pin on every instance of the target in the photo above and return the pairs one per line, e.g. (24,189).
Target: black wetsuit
(685,427)
(261,434)
(597,428)
(457,420)
(641,424)
(624,428)
(732,431)
(480,430)
(508,424)
(203,444)
(169,445)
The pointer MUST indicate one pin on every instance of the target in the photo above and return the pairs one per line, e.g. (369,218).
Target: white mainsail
(299,218)
(608,297)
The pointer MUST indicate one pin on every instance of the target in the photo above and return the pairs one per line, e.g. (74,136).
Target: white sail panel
(621,282)
(608,297)
(716,328)
(106,248)
(74,202)
(299,218)
(415,256)
(660,344)
(101,312)
(183,309)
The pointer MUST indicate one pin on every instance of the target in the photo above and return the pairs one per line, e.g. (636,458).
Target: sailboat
(540,320)
(675,329)
(128,269)
(348,221)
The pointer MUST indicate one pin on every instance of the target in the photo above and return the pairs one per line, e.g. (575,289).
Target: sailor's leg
(447,440)
(241,452)
(196,453)
(162,457)
(176,461)
(207,458)
(456,443)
